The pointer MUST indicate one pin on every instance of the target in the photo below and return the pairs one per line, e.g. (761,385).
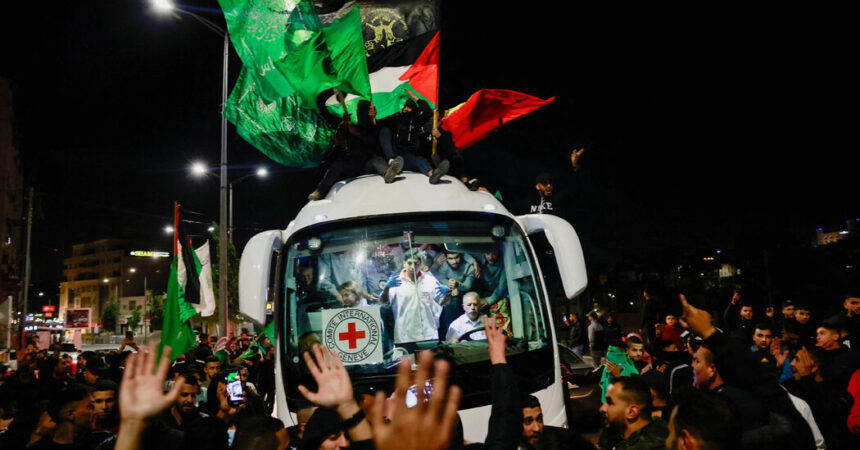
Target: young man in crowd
(627,411)
(70,411)
(536,435)
(738,317)
(703,421)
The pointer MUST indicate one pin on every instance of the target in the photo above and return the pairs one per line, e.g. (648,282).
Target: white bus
(358,233)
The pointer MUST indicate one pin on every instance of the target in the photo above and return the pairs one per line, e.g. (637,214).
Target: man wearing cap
(550,200)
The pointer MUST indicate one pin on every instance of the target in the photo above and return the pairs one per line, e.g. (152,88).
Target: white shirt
(416,308)
(803,408)
(463,325)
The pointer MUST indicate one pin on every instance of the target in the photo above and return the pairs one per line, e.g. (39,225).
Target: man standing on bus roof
(415,298)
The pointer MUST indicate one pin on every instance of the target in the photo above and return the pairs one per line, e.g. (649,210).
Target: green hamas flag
(291,52)
(176,331)
(283,129)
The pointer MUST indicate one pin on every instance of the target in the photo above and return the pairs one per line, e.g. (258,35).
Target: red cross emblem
(351,335)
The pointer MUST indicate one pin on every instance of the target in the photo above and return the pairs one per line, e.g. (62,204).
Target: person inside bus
(378,268)
(458,276)
(415,300)
(351,296)
(469,321)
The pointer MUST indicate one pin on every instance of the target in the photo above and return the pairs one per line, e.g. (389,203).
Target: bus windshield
(378,290)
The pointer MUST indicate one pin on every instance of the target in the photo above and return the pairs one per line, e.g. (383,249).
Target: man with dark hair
(104,406)
(851,305)
(627,411)
(414,297)
(184,409)
(261,433)
(70,410)
(761,348)
(738,316)
(703,420)
(537,435)
(636,352)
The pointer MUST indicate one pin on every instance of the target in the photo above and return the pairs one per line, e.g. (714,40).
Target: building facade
(11,212)
(110,270)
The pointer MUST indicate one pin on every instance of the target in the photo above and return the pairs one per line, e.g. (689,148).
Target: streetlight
(198,169)
(165,6)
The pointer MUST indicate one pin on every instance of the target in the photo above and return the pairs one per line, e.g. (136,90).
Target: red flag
(485,111)
(423,76)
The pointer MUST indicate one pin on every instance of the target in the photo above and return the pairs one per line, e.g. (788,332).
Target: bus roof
(411,192)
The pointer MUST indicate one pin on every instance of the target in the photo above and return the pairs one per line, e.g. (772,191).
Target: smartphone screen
(412,394)
(235,394)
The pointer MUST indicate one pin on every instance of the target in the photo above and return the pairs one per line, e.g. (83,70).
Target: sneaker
(315,195)
(440,170)
(395,166)
(472,184)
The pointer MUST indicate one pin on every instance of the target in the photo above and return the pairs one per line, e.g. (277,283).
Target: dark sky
(700,125)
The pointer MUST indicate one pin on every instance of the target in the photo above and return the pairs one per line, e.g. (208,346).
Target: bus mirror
(566,247)
(254,269)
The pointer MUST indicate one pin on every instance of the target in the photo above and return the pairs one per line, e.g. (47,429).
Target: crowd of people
(787,380)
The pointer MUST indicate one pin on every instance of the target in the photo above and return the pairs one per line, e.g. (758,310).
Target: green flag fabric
(283,130)
(290,51)
(290,56)
(176,331)
(618,357)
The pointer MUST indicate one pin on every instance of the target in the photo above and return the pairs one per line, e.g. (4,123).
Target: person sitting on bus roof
(400,136)
(469,321)
(414,297)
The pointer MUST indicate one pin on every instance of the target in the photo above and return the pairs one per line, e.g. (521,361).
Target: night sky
(700,126)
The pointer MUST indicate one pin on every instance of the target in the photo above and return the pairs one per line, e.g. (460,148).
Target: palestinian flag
(176,331)
(402,42)
(485,112)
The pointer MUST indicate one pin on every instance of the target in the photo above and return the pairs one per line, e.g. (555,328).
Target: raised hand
(497,340)
(802,365)
(333,383)
(696,320)
(574,157)
(393,281)
(426,425)
(141,393)
(780,356)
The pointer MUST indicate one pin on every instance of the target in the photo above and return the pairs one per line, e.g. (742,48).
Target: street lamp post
(261,172)
(165,5)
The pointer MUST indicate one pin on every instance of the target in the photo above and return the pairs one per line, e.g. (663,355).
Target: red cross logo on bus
(351,335)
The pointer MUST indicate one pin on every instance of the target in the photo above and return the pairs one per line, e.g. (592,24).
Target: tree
(232,282)
(134,320)
(156,312)
(110,315)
